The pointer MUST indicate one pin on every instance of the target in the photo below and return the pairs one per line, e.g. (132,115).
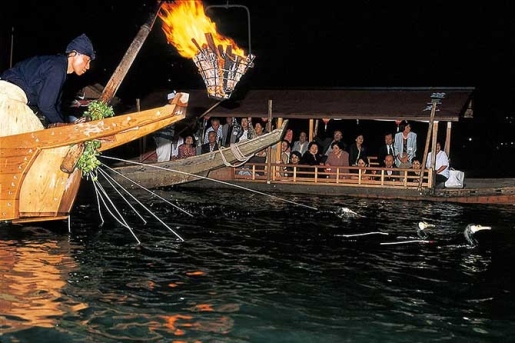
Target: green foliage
(98,110)
(88,161)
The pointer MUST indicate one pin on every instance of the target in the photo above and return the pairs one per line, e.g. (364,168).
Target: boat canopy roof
(412,104)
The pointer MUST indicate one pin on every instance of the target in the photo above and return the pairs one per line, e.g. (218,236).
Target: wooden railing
(342,176)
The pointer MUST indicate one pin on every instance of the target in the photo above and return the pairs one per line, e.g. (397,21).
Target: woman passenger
(312,157)
(187,148)
(337,158)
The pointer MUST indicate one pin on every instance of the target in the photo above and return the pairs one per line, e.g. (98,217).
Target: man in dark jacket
(42,77)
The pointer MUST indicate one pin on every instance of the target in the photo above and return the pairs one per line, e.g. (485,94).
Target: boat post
(269,149)
(435,100)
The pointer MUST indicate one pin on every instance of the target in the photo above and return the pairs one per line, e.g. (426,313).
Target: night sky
(348,44)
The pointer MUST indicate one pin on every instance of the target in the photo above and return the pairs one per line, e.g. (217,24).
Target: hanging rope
(237,154)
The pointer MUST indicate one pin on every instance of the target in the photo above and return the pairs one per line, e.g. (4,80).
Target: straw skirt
(15,115)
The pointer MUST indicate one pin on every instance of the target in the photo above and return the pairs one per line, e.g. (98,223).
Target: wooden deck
(319,182)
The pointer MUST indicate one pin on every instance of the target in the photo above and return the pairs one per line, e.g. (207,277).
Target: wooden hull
(32,185)
(161,174)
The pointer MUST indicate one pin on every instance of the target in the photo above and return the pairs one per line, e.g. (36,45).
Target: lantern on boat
(326,121)
(219,60)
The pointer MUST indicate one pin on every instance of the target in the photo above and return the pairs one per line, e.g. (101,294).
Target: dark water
(258,269)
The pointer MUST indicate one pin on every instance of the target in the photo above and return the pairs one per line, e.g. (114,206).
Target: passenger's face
(388,139)
(313,149)
(388,161)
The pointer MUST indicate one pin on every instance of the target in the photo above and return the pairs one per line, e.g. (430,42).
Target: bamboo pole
(12,48)
(269,149)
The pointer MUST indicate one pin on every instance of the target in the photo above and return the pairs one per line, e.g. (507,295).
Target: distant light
(470,139)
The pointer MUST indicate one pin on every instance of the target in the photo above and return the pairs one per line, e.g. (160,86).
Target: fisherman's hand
(81,120)
(51,125)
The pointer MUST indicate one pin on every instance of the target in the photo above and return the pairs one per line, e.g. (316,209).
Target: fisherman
(38,81)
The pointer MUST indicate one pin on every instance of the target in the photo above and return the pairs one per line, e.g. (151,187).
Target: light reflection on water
(256,269)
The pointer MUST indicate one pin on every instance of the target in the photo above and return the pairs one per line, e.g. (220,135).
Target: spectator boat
(434,118)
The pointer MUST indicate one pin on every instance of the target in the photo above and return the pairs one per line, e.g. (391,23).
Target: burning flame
(185,23)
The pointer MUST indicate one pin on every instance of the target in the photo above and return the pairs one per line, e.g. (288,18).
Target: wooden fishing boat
(170,173)
(39,180)
(32,185)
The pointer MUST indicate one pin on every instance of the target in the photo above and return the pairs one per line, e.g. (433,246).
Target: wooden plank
(44,184)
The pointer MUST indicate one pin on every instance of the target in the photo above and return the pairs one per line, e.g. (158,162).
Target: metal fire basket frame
(221,70)
(227,6)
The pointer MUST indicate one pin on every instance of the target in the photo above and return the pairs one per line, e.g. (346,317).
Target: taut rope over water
(110,179)
(205,178)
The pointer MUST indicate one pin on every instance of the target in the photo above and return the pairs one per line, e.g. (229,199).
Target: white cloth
(163,149)
(244,136)
(175,147)
(456,179)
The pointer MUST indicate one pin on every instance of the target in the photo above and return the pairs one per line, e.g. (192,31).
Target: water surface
(254,268)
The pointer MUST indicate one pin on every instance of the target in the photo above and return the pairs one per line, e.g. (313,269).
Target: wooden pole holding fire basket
(130,55)
(73,155)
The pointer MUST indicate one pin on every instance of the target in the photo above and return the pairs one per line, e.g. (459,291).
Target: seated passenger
(365,173)
(358,150)
(338,157)
(285,157)
(390,174)
(301,145)
(211,144)
(416,166)
(441,166)
(312,157)
(295,157)
(187,148)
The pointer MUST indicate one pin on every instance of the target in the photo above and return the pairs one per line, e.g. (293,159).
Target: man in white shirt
(302,144)
(441,165)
